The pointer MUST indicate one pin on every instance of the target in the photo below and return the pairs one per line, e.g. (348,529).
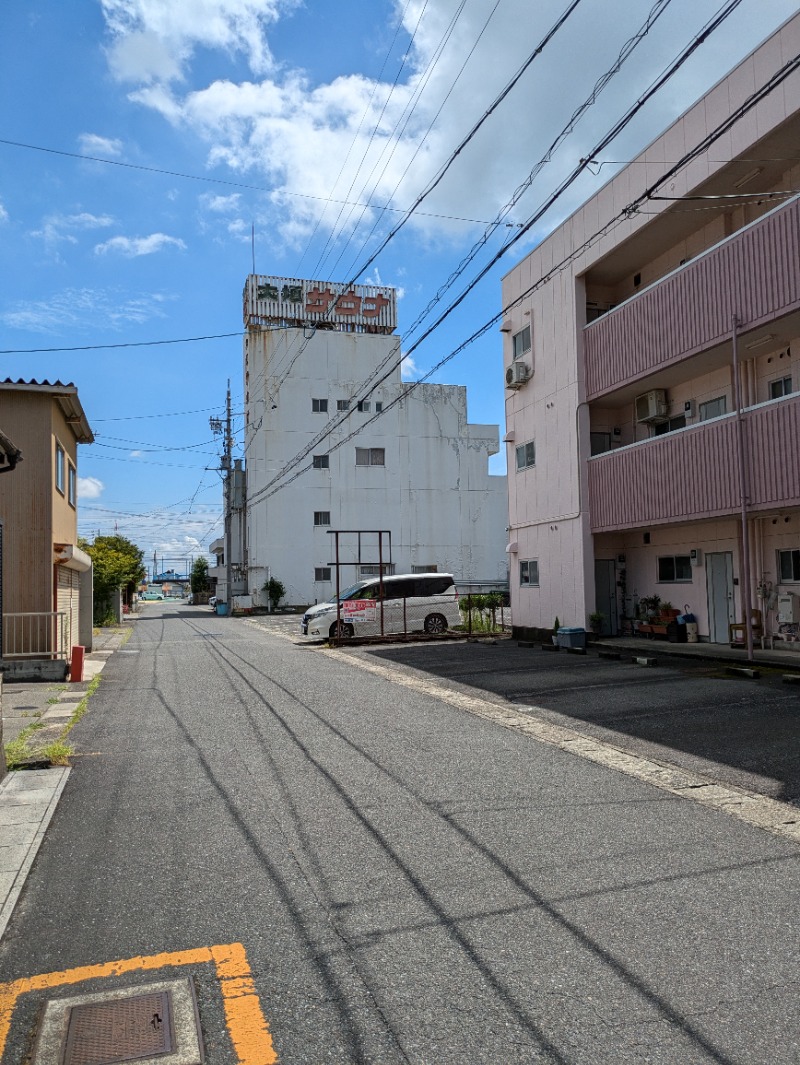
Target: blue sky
(288,117)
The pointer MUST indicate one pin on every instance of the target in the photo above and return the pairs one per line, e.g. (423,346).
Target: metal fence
(37,635)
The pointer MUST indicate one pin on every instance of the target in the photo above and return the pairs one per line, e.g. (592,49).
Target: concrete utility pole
(227,465)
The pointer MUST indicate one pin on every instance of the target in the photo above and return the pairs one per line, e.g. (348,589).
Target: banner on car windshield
(355,610)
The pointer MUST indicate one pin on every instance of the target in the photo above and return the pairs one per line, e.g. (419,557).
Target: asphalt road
(409,882)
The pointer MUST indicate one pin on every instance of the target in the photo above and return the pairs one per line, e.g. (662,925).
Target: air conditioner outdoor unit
(652,406)
(517,374)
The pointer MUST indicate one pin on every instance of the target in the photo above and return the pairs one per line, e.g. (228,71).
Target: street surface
(408,881)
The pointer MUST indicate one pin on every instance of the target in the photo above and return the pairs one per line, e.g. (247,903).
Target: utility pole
(227,465)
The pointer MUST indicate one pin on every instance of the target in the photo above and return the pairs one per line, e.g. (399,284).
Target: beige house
(46,592)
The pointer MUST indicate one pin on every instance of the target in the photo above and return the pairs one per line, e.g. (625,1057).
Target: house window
(378,406)
(370,456)
(522,342)
(674,569)
(322,573)
(375,570)
(432,568)
(343,404)
(321,462)
(319,406)
(599,443)
(72,485)
(529,573)
(526,455)
(789,566)
(322,517)
(364,406)
(60,468)
(713,408)
(669,426)
(781,387)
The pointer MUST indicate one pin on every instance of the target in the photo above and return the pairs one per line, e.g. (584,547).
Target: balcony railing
(694,473)
(753,274)
(37,635)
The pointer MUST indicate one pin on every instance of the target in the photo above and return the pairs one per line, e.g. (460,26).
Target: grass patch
(58,751)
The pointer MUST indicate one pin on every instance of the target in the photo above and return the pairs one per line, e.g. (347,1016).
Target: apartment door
(605,594)
(719,581)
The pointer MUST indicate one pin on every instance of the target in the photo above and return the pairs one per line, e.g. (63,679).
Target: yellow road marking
(247,1026)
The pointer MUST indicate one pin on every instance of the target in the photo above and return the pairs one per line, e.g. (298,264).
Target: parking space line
(779,818)
(245,1021)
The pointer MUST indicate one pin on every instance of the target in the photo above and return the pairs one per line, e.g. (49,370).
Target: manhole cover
(123,1030)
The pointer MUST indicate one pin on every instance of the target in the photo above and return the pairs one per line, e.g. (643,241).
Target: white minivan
(411,602)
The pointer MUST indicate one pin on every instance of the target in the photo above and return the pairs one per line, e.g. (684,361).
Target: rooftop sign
(288,301)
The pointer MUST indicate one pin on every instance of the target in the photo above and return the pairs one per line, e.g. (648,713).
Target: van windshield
(349,593)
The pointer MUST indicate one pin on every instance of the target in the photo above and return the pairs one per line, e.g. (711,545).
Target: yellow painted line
(247,1026)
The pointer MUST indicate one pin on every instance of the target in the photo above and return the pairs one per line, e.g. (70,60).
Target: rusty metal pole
(380,575)
(338,592)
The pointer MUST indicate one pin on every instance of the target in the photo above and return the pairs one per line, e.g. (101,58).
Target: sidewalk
(28,798)
(711,652)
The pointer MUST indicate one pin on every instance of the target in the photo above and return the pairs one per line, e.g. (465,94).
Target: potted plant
(650,606)
(596,620)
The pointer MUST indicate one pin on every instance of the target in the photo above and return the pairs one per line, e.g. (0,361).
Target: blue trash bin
(221,609)
(571,637)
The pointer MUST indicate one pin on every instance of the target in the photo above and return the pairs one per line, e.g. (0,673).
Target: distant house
(46,590)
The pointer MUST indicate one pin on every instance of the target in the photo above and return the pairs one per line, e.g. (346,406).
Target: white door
(719,582)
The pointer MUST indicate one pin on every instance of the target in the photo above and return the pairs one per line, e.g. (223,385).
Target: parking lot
(684,712)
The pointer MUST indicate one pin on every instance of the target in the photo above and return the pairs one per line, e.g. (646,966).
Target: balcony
(693,474)
(753,274)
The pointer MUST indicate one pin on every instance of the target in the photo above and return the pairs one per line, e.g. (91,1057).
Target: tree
(275,591)
(117,563)
(199,576)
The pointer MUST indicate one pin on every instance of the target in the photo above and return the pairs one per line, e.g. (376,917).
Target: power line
(127,344)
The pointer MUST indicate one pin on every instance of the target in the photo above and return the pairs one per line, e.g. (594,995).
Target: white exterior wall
(548,517)
(434,493)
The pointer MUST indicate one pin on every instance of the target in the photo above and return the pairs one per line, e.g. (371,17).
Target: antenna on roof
(253,243)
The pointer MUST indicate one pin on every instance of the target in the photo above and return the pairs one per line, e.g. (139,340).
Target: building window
(526,455)
(321,462)
(370,456)
(781,387)
(378,406)
(375,570)
(364,406)
(432,568)
(60,468)
(343,404)
(529,573)
(322,573)
(319,406)
(72,485)
(713,408)
(669,426)
(789,566)
(522,342)
(322,517)
(674,569)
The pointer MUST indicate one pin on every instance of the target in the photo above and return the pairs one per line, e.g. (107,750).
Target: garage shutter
(68,603)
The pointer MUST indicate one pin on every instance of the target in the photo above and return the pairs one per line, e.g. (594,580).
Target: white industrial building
(335,440)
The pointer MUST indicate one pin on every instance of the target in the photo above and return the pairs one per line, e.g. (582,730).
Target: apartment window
(669,426)
(713,408)
(375,570)
(60,468)
(319,406)
(432,568)
(789,566)
(529,573)
(343,404)
(522,342)
(599,443)
(322,573)
(322,517)
(72,485)
(526,455)
(781,387)
(321,462)
(674,569)
(364,406)
(378,406)
(370,456)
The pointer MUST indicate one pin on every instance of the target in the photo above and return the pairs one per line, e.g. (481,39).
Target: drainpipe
(746,602)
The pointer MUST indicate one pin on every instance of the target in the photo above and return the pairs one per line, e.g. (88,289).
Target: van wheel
(435,623)
(344,633)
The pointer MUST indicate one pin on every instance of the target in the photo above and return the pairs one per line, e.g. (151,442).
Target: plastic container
(221,609)
(571,637)
(691,632)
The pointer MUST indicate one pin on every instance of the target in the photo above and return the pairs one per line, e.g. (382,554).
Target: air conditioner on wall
(517,374)
(652,406)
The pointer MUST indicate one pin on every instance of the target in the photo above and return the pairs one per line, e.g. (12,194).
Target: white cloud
(131,247)
(135,454)
(221,204)
(86,310)
(409,371)
(3,214)
(58,228)
(90,488)
(105,147)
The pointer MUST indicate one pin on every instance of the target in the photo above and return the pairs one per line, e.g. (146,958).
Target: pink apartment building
(640,461)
